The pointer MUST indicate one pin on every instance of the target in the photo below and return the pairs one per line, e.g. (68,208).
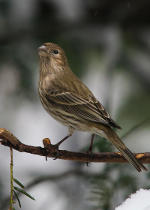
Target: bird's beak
(42,50)
(43,47)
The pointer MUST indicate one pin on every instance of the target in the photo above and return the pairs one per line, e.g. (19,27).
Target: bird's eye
(55,51)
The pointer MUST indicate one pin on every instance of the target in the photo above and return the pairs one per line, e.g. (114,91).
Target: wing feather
(86,109)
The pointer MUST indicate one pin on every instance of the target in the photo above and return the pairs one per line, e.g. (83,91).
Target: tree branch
(51,151)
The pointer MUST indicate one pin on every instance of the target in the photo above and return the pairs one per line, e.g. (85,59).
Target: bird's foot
(90,153)
(56,150)
(51,148)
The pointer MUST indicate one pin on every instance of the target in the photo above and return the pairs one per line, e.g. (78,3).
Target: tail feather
(128,155)
(132,159)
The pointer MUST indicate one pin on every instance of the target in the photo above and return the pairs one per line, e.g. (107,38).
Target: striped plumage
(69,101)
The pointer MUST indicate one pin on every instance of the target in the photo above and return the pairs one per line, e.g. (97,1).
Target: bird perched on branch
(69,101)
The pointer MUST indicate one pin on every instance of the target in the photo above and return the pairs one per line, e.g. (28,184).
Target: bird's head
(53,54)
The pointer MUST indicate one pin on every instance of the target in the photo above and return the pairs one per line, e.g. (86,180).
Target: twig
(51,151)
(11,179)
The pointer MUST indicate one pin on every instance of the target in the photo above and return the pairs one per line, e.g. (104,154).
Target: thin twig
(11,179)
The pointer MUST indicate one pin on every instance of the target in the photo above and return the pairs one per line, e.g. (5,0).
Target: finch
(69,101)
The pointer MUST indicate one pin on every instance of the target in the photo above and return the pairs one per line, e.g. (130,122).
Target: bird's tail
(128,155)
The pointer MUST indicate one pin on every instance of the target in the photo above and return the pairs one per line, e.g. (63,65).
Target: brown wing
(87,109)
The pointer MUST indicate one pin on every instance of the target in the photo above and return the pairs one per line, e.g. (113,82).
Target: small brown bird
(69,101)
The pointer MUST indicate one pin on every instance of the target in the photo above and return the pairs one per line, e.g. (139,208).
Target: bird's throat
(50,66)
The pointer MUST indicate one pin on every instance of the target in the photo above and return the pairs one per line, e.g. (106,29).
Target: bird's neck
(51,66)
(44,66)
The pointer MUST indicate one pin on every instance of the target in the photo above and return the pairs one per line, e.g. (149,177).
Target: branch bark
(51,151)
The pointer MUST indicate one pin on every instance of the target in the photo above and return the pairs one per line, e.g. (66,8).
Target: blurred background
(108,47)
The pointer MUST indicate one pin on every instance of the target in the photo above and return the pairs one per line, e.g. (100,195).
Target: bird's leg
(58,144)
(71,130)
(90,147)
(61,141)
(91,144)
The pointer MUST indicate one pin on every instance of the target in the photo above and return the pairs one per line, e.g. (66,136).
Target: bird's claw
(51,148)
(57,155)
(56,151)
(90,153)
